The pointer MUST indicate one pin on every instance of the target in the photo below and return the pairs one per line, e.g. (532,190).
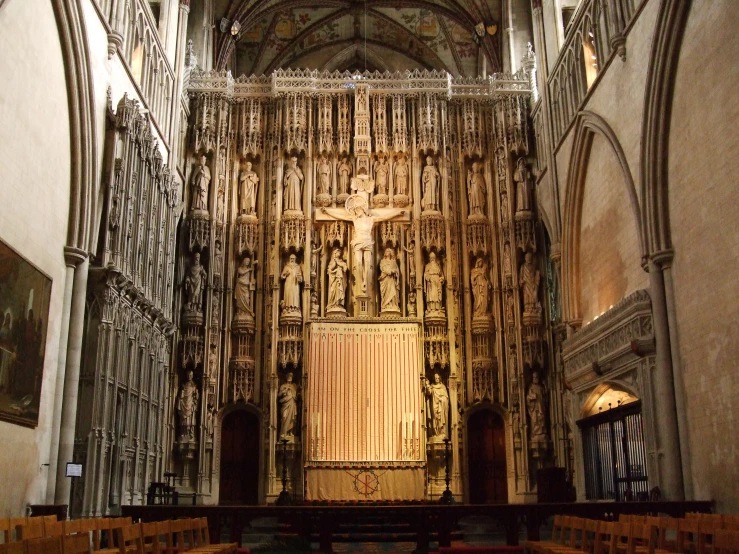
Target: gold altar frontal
(365,412)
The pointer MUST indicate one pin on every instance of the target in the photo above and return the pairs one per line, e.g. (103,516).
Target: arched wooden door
(239,479)
(487,458)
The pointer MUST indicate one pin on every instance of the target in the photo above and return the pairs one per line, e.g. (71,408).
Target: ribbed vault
(395,34)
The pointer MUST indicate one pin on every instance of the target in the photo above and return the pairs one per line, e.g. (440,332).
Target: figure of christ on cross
(362,242)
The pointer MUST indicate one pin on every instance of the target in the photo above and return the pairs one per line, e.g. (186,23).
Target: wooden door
(239,479)
(487,458)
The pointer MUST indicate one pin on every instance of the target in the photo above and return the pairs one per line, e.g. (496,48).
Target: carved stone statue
(476,190)
(401,177)
(433,281)
(362,242)
(287,395)
(315,253)
(345,171)
(200,186)
(337,269)
(194,285)
(523,194)
(480,289)
(504,208)
(293,277)
(529,282)
(244,288)
(535,400)
(389,283)
(438,409)
(324,176)
(187,407)
(412,304)
(507,260)
(248,188)
(293,186)
(411,263)
(381,171)
(430,184)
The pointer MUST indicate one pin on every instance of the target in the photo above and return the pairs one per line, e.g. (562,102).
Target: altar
(365,411)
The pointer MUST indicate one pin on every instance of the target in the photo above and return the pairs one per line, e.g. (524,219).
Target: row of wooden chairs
(638,535)
(112,536)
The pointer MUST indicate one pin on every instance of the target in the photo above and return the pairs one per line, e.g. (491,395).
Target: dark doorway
(487,458)
(239,483)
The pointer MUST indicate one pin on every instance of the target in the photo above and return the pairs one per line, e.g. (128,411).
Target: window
(614,454)
(590,58)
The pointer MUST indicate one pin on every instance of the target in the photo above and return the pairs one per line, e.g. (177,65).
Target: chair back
(129,539)
(725,541)
(150,538)
(15,547)
(77,543)
(44,545)
(33,529)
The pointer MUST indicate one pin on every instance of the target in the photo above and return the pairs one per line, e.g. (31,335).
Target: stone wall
(703,197)
(34,193)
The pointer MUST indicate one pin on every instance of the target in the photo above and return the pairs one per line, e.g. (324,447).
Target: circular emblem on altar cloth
(366,482)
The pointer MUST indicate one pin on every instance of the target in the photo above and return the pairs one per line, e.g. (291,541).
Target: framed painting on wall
(24,317)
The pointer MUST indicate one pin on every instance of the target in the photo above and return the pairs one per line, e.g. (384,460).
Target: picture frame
(25,296)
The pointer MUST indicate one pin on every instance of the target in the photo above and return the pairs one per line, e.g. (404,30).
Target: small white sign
(74,470)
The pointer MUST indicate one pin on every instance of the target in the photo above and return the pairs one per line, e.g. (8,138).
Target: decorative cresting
(346,199)
(620,335)
(125,379)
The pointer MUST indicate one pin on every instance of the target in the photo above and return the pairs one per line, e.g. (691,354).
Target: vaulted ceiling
(358,34)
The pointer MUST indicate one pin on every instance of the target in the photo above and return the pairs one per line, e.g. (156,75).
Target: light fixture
(235,28)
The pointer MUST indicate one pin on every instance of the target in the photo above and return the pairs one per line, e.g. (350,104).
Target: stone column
(72,257)
(670,479)
(72,374)
(665,261)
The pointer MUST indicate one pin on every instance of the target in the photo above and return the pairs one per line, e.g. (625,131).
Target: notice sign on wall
(74,470)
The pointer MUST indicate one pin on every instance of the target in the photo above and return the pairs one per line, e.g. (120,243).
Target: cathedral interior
(368,251)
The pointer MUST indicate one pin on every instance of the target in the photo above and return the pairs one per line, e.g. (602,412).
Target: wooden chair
(164,535)
(77,543)
(53,528)
(693,536)
(725,541)
(560,526)
(731,522)
(5,530)
(602,540)
(129,539)
(45,545)
(201,537)
(15,524)
(150,538)
(51,523)
(33,529)
(15,547)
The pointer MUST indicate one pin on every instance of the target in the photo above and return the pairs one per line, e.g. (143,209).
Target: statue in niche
(389,283)
(324,176)
(220,201)
(480,288)
(337,269)
(433,281)
(187,407)
(362,242)
(412,304)
(293,186)
(510,319)
(287,395)
(381,170)
(535,400)
(529,281)
(248,188)
(430,184)
(315,253)
(217,258)
(194,285)
(504,208)
(345,171)
(438,409)
(201,186)
(244,289)
(401,177)
(523,194)
(507,260)
(293,277)
(476,190)
(411,263)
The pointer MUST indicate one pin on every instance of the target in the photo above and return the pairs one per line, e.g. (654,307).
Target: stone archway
(486,452)
(239,465)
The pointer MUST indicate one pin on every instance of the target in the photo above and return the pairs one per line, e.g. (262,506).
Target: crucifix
(358,212)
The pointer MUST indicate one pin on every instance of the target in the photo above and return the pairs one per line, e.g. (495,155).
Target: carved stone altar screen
(350,238)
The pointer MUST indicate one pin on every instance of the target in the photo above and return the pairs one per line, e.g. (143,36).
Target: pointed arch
(587,125)
(663,62)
